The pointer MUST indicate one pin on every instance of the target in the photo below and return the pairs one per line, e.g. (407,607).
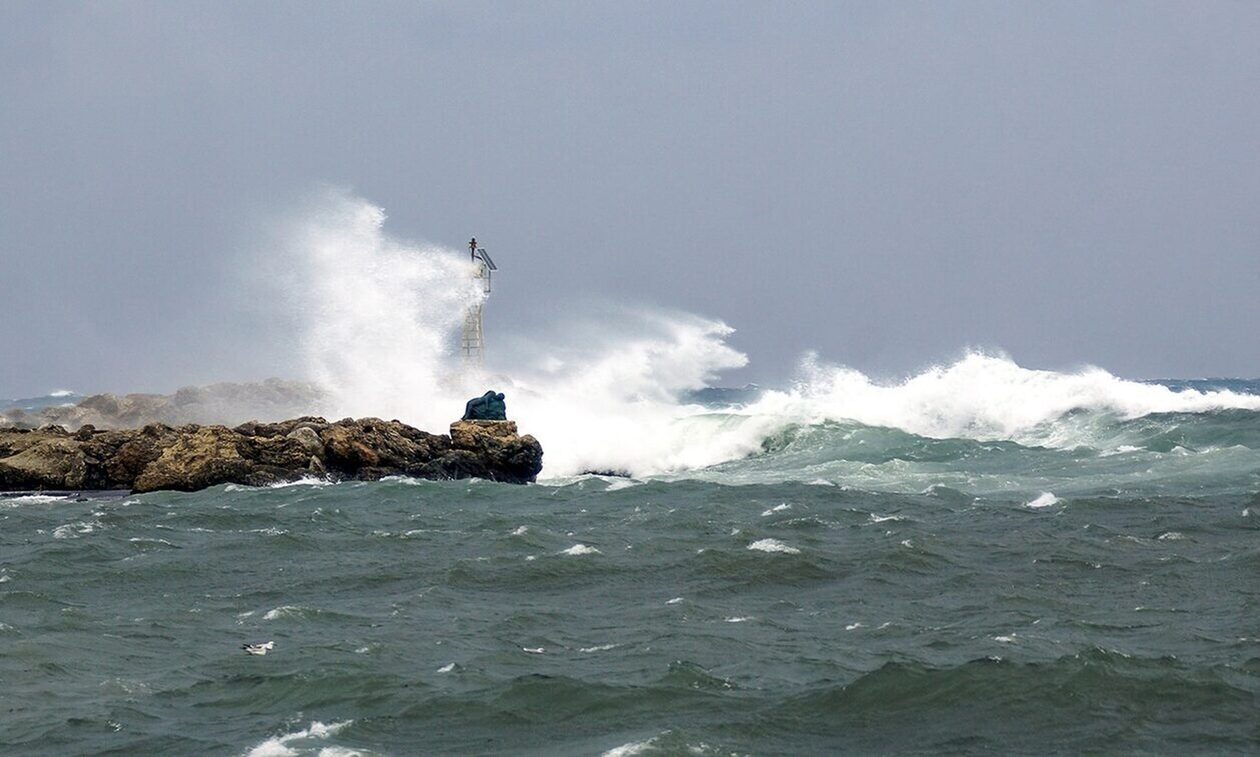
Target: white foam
(1171,536)
(74,530)
(279,746)
(773,545)
(598,648)
(446,668)
(1045,499)
(378,315)
(31,499)
(981,396)
(1005,639)
(853,626)
(520,530)
(674,601)
(304,481)
(630,749)
(776,509)
(283,611)
(738,619)
(580,549)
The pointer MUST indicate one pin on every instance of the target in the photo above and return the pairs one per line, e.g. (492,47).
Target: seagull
(259,649)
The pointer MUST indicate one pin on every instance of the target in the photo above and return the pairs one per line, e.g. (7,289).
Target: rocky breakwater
(190,457)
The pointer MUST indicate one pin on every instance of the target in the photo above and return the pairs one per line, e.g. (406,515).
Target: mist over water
(379,319)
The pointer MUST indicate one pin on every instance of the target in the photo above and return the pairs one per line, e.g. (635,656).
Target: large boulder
(494,450)
(206,457)
(56,463)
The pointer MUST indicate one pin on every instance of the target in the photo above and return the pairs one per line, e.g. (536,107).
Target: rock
(191,457)
(310,441)
(51,463)
(496,451)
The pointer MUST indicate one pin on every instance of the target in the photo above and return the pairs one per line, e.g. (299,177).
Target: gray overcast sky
(887,183)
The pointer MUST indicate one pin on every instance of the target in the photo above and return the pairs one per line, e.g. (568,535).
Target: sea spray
(377,319)
(375,315)
(981,396)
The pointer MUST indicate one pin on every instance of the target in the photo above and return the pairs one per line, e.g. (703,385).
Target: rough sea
(1052,563)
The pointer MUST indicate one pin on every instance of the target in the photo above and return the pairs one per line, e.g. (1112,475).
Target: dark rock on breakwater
(190,457)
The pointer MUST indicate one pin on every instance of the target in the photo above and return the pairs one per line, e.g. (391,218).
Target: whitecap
(776,509)
(1171,536)
(1045,499)
(773,545)
(674,601)
(884,518)
(447,668)
(1005,639)
(278,746)
(520,530)
(630,749)
(144,540)
(598,648)
(32,499)
(738,619)
(74,530)
(283,611)
(853,626)
(580,549)
(304,481)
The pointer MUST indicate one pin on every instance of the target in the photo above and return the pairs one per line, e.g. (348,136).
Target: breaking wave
(378,317)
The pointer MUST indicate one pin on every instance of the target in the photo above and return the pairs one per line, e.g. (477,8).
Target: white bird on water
(259,649)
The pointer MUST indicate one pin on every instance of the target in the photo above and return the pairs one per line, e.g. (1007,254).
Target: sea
(978,558)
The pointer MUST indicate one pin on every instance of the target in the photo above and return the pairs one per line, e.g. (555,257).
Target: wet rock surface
(190,457)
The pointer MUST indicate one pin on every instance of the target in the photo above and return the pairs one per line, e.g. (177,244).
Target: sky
(885,183)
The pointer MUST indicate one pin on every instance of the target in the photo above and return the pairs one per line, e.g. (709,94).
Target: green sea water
(846,589)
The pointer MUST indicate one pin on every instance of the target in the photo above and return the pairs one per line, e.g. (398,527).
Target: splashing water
(377,313)
(379,316)
(982,396)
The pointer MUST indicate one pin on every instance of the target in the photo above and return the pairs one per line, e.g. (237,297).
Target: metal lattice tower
(473,340)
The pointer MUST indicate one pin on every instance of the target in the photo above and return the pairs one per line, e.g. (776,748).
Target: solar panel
(485,256)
